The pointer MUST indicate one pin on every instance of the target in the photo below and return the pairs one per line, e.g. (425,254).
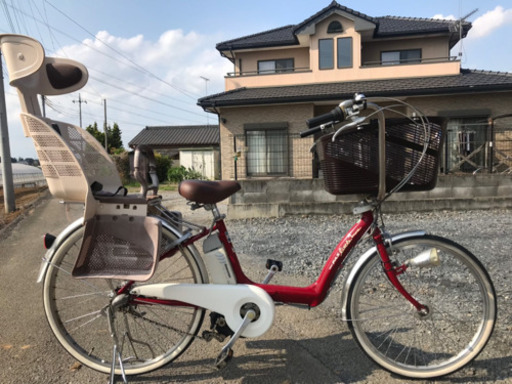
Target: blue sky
(148,58)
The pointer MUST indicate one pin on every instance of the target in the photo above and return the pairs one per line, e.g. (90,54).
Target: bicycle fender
(361,261)
(56,244)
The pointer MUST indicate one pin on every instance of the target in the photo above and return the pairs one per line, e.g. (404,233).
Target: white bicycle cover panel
(221,298)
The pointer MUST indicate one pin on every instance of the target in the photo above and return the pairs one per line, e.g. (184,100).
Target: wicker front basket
(350,163)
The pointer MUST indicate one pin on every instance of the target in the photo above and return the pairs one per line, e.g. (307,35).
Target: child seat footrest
(119,247)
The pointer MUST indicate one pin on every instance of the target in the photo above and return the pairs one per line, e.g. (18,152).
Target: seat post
(215,211)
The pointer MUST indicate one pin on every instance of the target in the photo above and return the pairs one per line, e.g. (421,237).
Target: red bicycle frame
(315,293)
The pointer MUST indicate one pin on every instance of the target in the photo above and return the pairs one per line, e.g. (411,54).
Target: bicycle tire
(151,336)
(462,310)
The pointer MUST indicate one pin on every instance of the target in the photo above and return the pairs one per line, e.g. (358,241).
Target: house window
(401,57)
(275,66)
(267,150)
(334,27)
(345,52)
(326,53)
(465,144)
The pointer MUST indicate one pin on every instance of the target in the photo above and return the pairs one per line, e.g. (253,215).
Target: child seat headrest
(32,72)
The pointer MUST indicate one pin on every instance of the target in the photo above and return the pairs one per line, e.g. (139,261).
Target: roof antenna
(462,20)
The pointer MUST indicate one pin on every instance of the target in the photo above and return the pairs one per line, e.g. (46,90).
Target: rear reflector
(48,240)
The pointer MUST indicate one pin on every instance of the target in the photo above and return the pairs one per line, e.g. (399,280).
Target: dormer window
(334,27)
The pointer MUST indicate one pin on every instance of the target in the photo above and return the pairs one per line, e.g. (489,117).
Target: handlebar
(346,109)
(334,116)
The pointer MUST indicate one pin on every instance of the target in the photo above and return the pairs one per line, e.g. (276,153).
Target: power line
(40,17)
(106,55)
(117,86)
(8,15)
(136,65)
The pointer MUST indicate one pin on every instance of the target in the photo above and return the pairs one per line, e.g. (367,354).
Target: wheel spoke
(461,302)
(149,335)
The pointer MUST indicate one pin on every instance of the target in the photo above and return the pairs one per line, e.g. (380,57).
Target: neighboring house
(195,146)
(286,75)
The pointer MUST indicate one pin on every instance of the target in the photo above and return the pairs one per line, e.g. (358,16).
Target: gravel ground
(304,243)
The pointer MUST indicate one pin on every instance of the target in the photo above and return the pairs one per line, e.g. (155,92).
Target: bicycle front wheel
(149,336)
(461,304)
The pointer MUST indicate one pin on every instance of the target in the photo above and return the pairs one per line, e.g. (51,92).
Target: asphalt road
(302,347)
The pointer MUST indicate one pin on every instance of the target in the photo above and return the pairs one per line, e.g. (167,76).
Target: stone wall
(281,197)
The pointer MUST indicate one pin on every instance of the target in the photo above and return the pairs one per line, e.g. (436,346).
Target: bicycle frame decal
(342,248)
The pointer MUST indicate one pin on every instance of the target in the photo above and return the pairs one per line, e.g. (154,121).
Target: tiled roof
(177,136)
(468,81)
(275,37)
(329,10)
(386,26)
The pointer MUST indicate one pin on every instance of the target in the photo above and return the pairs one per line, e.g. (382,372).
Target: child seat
(79,170)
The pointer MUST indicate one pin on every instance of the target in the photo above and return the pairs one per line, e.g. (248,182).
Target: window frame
(275,70)
(330,58)
(334,29)
(338,50)
(400,60)
(265,162)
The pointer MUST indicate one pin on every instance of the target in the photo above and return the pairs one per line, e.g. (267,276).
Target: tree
(114,140)
(93,130)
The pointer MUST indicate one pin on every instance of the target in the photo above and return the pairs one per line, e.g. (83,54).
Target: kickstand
(116,355)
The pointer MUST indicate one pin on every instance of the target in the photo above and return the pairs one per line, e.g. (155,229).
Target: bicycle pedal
(224,358)
(273,267)
(271,263)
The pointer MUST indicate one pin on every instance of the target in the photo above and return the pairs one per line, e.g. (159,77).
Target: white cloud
(442,17)
(490,21)
(176,58)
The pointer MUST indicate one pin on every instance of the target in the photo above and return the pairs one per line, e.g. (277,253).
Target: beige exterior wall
(308,57)
(495,103)
(365,50)
(235,120)
(431,48)
(250,59)
(349,74)
(492,104)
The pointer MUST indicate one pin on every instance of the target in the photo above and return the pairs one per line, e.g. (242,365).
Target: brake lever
(352,124)
(322,128)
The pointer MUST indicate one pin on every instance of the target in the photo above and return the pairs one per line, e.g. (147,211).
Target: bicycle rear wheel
(150,336)
(458,293)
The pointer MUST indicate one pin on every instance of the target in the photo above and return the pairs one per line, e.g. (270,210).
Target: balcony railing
(270,72)
(366,64)
(428,60)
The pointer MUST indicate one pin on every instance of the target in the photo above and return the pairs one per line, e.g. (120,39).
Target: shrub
(178,174)
(163,165)
(122,162)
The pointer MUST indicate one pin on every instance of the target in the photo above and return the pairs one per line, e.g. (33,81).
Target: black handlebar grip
(336,115)
(310,132)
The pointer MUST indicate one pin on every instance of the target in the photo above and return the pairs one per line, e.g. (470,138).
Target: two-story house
(286,75)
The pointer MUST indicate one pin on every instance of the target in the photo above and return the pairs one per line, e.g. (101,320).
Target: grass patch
(134,187)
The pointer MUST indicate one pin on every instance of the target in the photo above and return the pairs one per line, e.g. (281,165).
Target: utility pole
(80,101)
(105,123)
(206,80)
(5,152)
(43,103)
